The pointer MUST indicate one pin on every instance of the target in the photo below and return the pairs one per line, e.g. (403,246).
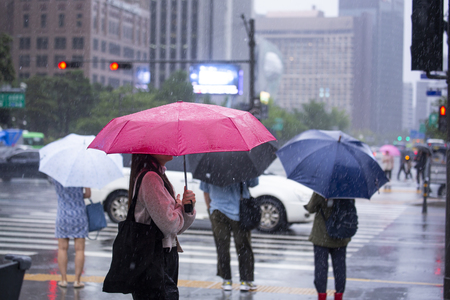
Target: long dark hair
(148,162)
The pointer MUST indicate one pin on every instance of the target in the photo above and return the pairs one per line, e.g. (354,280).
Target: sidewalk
(405,261)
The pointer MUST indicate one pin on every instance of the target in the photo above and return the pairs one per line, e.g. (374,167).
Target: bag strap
(130,215)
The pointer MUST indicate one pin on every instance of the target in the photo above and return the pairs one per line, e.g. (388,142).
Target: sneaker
(227,285)
(248,286)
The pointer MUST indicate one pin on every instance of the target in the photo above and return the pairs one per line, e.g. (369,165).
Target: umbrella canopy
(391,149)
(225,168)
(333,164)
(70,163)
(182,128)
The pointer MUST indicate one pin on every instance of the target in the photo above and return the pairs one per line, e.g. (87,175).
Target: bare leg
(63,245)
(79,261)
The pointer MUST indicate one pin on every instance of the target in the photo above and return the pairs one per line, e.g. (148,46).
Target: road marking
(217,285)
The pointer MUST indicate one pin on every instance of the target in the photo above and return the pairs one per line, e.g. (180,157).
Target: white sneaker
(248,286)
(227,285)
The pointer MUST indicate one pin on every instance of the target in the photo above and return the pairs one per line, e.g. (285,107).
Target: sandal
(62,284)
(78,285)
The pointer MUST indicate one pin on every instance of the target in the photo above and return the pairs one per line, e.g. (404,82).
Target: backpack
(343,221)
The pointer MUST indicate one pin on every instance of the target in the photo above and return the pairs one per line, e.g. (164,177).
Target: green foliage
(7,73)
(313,116)
(176,87)
(54,104)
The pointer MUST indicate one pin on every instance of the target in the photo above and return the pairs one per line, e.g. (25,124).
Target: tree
(176,87)
(314,116)
(7,73)
(54,104)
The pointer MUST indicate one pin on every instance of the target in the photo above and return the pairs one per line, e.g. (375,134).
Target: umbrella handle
(187,207)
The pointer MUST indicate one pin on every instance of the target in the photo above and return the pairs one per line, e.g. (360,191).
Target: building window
(77,43)
(24,61)
(95,44)
(61,20)
(24,75)
(102,80)
(95,62)
(79,20)
(26,20)
(114,49)
(128,52)
(42,43)
(24,43)
(94,78)
(42,61)
(113,28)
(43,20)
(128,32)
(103,65)
(60,43)
(103,46)
(58,59)
(114,82)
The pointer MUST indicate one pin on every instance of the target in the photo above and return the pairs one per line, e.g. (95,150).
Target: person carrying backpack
(339,218)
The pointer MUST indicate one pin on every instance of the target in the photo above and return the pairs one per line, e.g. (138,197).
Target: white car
(281,199)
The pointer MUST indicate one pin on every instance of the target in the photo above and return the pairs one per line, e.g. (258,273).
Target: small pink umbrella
(182,128)
(391,149)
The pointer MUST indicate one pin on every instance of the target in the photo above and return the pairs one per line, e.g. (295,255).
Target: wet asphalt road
(398,252)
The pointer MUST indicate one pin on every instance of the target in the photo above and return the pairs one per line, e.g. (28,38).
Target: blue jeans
(321,268)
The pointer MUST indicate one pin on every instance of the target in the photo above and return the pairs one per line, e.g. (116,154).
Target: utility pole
(254,103)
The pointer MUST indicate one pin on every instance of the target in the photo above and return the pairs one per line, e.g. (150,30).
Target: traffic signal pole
(447,196)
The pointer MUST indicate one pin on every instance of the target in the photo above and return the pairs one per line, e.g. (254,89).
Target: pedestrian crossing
(30,231)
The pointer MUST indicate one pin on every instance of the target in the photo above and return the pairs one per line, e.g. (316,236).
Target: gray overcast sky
(330,9)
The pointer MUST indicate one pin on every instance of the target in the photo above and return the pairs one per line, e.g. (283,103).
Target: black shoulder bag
(249,212)
(137,255)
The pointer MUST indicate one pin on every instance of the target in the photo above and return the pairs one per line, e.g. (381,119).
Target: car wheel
(117,206)
(273,215)
(442,191)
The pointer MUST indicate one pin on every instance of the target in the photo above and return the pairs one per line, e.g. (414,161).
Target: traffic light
(120,65)
(399,138)
(442,121)
(427,35)
(70,64)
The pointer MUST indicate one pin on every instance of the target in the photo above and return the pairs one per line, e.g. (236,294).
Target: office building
(197,30)
(96,32)
(408,112)
(384,65)
(319,57)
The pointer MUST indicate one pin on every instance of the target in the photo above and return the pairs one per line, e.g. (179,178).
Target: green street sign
(8,99)
(422,128)
(433,119)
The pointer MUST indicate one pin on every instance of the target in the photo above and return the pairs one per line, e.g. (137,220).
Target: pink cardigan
(155,203)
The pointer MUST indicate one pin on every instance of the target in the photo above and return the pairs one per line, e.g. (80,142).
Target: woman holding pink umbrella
(388,165)
(156,202)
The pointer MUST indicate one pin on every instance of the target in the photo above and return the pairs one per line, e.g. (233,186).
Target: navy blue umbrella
(333,164)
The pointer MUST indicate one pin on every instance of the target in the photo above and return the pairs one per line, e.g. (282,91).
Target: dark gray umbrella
(225,168)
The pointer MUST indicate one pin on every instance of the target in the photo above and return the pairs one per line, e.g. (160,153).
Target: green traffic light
(408,138)
(399,138)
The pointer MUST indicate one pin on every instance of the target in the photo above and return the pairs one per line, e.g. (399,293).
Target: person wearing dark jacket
(324,245)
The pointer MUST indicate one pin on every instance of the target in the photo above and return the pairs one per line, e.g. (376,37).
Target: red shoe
(322,296)
(338,296)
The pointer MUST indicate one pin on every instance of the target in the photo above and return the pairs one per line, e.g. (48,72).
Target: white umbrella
(69,162)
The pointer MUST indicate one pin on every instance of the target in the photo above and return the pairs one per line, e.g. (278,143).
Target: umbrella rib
(117,135)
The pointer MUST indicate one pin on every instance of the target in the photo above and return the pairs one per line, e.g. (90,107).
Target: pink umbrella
(391,149)
(182,128)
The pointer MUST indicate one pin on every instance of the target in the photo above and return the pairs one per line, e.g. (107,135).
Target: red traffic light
(62,65)
(442,110)
(120,65)
(114,66)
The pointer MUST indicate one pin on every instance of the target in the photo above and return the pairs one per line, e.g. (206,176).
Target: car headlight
(302,195)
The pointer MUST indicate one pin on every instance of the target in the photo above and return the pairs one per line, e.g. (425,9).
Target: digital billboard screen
(216,79)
